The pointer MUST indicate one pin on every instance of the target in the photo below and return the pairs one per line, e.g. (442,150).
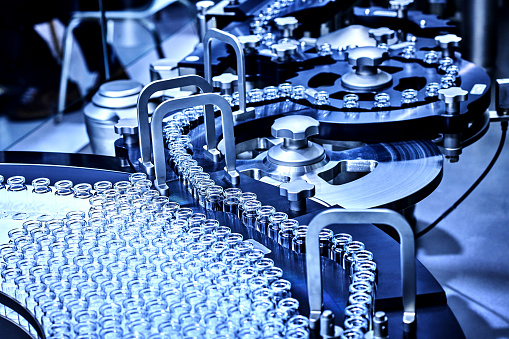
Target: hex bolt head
(381,35)
(296,127)
(296,192)
(452,97)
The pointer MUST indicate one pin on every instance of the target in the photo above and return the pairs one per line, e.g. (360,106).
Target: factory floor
(467,252)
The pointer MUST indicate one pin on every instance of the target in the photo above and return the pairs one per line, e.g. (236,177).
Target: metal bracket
(156,128)
(143,116)
(244,112)
(371,216)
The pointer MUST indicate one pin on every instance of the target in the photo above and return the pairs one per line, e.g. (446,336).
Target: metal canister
(113,101)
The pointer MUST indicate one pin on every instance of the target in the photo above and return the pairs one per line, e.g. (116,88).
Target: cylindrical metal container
(115,100)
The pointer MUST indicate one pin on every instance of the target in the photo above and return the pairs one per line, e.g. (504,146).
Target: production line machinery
(301,168)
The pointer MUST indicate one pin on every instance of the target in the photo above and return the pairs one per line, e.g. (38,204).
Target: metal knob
(203,6)
(226,82)
(381,35)
(452,97)
(401,6)
(250,42)
(366,56)
(295,127)
(128,129)
(448,43)
(366,75)
(327,328)
(284,50)
(380,326)
(287,25)
(296,192)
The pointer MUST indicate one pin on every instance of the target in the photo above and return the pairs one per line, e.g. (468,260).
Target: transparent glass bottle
(42,196)
(17,195)
(250,212)
(263,218)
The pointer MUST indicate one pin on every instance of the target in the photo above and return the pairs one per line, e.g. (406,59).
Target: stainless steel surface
(480,31)
(373,216)
(115,100)
(156,128)
(143,114)
(244,112)
(403,173)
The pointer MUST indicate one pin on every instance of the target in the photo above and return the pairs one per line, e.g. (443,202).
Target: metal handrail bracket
(244,112)
(180,103)
(143,115)
(371,216)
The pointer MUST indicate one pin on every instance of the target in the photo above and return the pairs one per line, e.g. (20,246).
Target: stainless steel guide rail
(372,216)
(143,115)
(181,103)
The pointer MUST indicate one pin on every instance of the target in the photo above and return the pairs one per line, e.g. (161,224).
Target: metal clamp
(156,128)
(371,216)
(244,112)
(143,116)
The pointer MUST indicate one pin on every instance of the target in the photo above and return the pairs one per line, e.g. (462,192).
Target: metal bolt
(401,6)
(284,51)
